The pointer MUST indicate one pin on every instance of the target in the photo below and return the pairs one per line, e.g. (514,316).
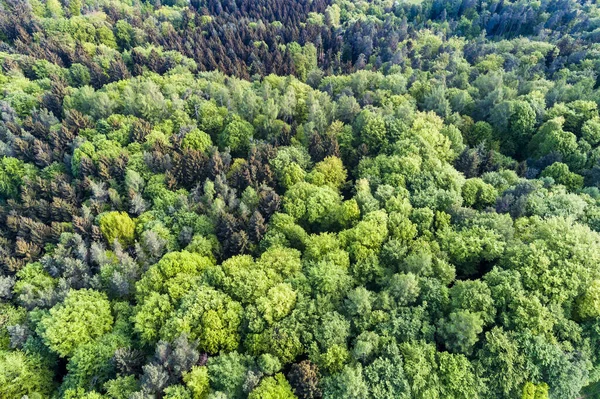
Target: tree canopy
(275,199)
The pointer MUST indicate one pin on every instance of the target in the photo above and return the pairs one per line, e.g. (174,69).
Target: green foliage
(385,379)
(517,120)
(117,226)
(83,316)
(92,363)
(312,205)
(24,375)
(11,316)
(457,377)
(562,175)
(305,58)
(588,305)
(197,140)
(539,257)
(121,387)
(590,131)
(341,200)
(12,172)
(269,364)
(533,391)
(210,117)
(173,274)
(468,248)
(275,387)
(79,75)
(237,135)
(481,132)
(349,383)
(227,373)
(478,194)
(461,331)
(551,137)
(329,172)
(371,130)
(176,392)
(208,316)
(151,315)
(198,382)
(501,352)
(124,34)
(289,165)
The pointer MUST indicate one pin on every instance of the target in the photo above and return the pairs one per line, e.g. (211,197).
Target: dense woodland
(276,199)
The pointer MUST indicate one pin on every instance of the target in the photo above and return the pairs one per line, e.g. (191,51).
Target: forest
(308,199)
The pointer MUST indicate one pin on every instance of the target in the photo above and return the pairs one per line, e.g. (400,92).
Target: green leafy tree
(12,316)
(590,131)
(208,316)
(122,387)
(481,132)
(151,316)
(227,373)
(420,369)
(545,243)
(329,172)
(290,165)
(312,205)
(460,332)
(371,130)
(517,120)
(117,225)
(83,316)
(197,140)
(551,137)
(562,175)
(237,135)
(198,382)
(579,112)
(173,275)
(386,379)
(478,194)
(23,375)
(469,248)
(533,391)
(54,9)
(177,392)
(124,34)
(275,387)
(588,305)
(457,377)
(474,296)
(92,363)
(211,118)
(501,357)
(349,383)
(437,102)
(12,172)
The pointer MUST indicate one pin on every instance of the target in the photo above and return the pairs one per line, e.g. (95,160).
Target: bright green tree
(198,382)
(23,375)
(117,225)
(562,175)
(208,316)
(83,316)
(196,139)
(237,135)
(275,387)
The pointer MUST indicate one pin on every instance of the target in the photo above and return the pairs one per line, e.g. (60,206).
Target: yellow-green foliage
(23,375)
(117,225)
(83,316)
